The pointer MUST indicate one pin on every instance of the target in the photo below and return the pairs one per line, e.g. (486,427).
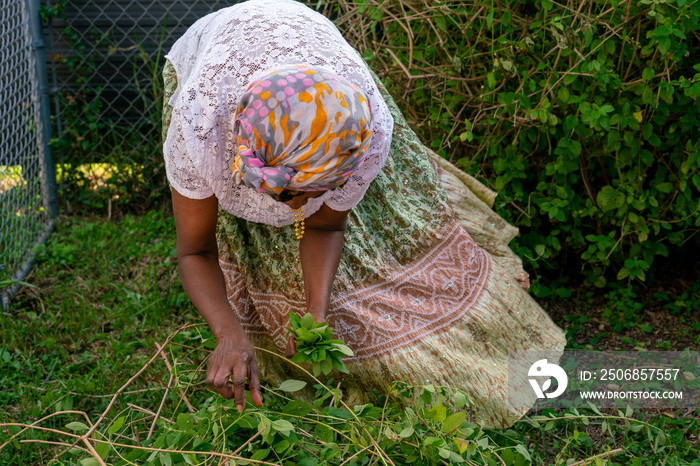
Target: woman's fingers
(291,349)
(239,377)
(219,379)
(254,383)
(227,374)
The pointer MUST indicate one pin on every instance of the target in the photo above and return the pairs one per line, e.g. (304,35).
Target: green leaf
(563,94)
(298,408)
(609,198)
(281,446)
(407,432)
(523,451)
(102,449)
(292,385)
(429,441)
(344,349)
(260,455)
(116,425)
(204,446)
(326,366)
(308,461)
(489,17)
(338,364)
(665,187)
(77,426)
(165,459)
(324,433)
(460,400)
(437,413)
(89,462)
(594,408)
(491,79)
(441,23)
(453,421)
(338,412)
(283,427)
(308,321)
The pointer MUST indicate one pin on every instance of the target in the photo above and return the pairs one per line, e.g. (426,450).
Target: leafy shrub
(583,115)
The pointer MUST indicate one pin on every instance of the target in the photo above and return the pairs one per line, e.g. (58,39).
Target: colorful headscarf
(301,128)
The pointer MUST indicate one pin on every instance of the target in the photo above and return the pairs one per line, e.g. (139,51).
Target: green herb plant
(315,344)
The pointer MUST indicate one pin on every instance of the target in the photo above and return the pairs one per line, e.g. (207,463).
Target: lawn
(82,377)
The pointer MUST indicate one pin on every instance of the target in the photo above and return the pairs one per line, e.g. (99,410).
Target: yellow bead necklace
(299,218)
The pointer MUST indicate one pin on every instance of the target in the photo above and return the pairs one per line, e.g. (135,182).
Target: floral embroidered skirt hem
(427,292)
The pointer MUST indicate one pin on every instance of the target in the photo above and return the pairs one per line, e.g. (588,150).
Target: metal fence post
(28,206)
(38,44)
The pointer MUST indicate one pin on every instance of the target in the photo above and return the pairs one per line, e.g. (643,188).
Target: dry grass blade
(592,459)
(183,396)
(35,425)
(214,454)
(160,407)
(134,377)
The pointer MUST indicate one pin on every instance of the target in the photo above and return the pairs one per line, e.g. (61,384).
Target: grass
(106,297)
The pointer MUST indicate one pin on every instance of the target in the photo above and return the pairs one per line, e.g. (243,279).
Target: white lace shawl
(215,60)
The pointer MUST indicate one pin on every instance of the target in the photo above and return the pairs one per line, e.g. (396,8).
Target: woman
(398,250)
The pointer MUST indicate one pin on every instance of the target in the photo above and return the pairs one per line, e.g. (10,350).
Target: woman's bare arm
(320,252)
(201,276)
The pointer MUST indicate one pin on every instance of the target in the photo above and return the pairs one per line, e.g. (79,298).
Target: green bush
(582,115)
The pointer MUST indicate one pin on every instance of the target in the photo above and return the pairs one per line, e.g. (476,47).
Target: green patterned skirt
(427,291)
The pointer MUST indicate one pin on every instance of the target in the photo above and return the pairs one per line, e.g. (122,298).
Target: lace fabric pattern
(215,60)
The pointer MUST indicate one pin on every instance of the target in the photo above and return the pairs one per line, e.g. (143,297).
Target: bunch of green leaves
(315,344)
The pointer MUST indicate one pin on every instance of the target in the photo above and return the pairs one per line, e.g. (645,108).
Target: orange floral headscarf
(301,128)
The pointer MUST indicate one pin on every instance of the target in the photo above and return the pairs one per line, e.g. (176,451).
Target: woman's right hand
(234,356)
(198,260)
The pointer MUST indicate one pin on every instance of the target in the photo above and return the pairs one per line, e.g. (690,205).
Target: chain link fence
(106,58)
(101,80)
(26,171)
